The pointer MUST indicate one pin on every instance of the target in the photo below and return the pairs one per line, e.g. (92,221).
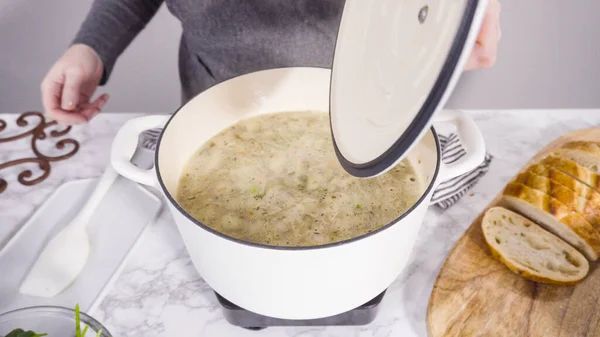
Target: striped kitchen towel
(450,191)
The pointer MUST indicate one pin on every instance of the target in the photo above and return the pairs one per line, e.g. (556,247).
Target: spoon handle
(108,178)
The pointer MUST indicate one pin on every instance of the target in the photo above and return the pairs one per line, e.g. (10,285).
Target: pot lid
(395,65)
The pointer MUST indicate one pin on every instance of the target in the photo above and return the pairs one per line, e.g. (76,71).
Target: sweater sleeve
(111,25)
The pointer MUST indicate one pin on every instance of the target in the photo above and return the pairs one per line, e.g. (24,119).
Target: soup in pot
(274,179)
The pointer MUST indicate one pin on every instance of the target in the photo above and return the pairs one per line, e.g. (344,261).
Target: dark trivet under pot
(237,316)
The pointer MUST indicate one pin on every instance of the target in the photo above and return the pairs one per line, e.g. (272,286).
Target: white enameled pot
(298,282)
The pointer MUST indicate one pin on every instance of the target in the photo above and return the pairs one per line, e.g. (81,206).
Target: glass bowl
(54,321)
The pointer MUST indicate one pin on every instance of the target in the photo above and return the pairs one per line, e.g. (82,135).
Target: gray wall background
(548,58)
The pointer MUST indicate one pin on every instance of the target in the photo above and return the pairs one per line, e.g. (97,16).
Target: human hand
(484,51)
(69,85)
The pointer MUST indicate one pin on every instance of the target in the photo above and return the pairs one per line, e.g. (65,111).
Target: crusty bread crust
(564,179)
(586,159)
(573,169)
(588,208)
(562,213)
(590,147)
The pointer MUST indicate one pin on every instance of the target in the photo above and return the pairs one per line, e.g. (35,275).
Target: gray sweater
(221,38)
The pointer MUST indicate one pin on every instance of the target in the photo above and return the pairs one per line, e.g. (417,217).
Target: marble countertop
(159,293)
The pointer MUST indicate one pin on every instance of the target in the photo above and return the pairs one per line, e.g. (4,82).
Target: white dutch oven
(289,283)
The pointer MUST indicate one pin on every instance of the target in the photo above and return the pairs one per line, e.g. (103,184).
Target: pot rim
(287,248)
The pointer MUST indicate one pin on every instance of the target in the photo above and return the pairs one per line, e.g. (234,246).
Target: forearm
(111,25)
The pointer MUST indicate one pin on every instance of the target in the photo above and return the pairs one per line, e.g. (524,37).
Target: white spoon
(63,258)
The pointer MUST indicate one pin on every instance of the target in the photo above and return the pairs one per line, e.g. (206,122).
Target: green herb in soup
(274,179)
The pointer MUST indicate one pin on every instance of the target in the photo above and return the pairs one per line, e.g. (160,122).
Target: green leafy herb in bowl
(25,316)
(22,333)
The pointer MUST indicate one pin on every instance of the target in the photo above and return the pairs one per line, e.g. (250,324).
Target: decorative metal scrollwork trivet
(38,132)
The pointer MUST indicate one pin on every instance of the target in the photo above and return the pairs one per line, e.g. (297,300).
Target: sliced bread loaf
(590,147)
(554,216)
(573,169)
(588,208)
(586,159)
(528,250)
(571,182)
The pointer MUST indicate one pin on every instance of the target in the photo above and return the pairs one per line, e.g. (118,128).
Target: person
(220,39)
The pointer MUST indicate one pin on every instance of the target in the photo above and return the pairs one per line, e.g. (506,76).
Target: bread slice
(573,169)
(530,251)
(590,147)
(586,159)
(588,208)
(554,216)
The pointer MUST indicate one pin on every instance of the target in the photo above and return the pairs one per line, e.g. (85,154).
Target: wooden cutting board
(474,295)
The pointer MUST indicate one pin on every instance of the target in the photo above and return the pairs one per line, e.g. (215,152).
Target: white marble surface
(160,294)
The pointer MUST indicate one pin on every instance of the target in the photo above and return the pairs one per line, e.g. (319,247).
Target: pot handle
(125,144)
(471,139)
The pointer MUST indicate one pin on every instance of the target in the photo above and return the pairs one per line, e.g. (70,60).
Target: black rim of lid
(390,156)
